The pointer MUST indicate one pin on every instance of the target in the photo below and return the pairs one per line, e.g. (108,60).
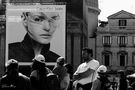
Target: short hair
(89,51)
(37,65)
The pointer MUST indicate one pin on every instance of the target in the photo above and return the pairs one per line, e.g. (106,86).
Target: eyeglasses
(39,19)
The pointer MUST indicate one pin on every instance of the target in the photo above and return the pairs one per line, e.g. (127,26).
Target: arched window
(123,59)
(106,58)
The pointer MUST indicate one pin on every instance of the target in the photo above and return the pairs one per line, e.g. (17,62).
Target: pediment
(122,15)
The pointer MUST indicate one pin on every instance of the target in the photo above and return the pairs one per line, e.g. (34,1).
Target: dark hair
(37,65)
(69,68)
(12,64)
(89,51)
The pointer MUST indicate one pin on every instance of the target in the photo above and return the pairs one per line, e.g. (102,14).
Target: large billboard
(33,29)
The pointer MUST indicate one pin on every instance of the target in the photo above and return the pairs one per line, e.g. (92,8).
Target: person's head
(41,26)
(60,61)
(12,68)
(87,54)
(69,68)
(38,62)
(121,73)
(101,70)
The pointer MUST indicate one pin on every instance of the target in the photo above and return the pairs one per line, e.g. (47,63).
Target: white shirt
(93,64)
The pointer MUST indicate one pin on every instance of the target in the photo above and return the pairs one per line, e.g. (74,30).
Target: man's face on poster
(41,25)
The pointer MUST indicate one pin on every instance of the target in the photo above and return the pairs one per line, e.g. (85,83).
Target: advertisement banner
(35,29)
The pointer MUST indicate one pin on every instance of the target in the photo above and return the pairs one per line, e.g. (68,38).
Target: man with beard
(85,73)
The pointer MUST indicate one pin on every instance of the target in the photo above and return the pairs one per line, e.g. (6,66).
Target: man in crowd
(61,71)
(101,82)
(85,73)
(13,80)
(42,77)
(123,82)
(39,73)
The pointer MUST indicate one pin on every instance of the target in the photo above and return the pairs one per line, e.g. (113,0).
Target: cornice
(116,32)
(94,9)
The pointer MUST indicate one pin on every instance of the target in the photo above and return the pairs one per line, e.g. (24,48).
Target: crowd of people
(41,77)
(90,75)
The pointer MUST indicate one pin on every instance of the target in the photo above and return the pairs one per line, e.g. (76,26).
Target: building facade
(115,41)
(90,17)
(2,38)
(76,39)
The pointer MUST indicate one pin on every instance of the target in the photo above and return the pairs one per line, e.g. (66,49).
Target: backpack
(53,82)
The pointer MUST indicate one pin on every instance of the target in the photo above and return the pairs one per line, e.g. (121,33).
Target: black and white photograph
(67,45)
(35,29)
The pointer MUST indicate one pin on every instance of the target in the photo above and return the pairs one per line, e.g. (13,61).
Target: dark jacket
(101,83)
(23,51)
(39,81)
(123,84)
(44,79)
(21,82)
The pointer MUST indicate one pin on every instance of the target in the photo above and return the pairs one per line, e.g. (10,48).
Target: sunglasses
(39,19)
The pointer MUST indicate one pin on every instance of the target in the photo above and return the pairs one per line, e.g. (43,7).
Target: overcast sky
(109,7)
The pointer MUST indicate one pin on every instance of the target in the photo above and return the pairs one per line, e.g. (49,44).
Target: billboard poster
(35,29)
